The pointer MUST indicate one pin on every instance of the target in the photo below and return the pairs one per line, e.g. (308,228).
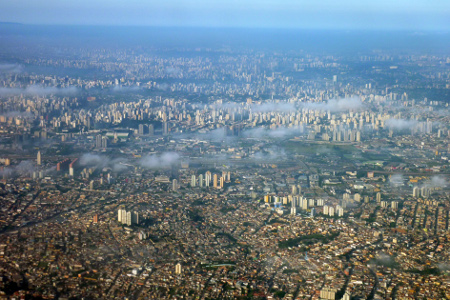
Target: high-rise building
(129,218)
(416,191)
(200,180)
(394,205)
(293,208)
(294,190)
(95,218)
(104,142)
(175,185)
(215,181)
(39,158)
(208,178)
(378,197)
(193,181)
(178,269)
(141,129)
(305,204)
(331,211)
(221,182)
(425,192)
(166,128)
(98,141)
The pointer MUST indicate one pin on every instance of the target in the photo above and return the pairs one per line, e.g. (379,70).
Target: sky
(318,14)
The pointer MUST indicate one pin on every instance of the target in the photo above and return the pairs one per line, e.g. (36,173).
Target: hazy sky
(342,14)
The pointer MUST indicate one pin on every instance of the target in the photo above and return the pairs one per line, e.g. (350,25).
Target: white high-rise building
(425,192)
(200,180)
(331,211)
(416,191)
(305,204)
(39,158)
(175,185)
(394,205)
(178,269)
(294,190)
(293,208)
(193,181)
(129,219)
(378,197)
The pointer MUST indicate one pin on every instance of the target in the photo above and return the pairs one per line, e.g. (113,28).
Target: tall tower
(200,180)
(293,208)
(175,185)
(39,159)
(178,268)
(215,183)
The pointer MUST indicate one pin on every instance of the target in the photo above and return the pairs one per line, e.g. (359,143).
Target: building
(104,142)
(175,185)
(215,181)
(178,269)
(39,158)
(193,181)
(98,141)
(416,192)
(200,180)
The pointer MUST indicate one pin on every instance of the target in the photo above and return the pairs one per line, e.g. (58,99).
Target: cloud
(24,168)
(19,114)
(37,90)
(280,132)
(173,71)
(163,86)
(164,160)
(11,68)
(400,124)
(101,161)
(269,155)
(385,260)
(337,105)
(92,160)
(396,180)
(273,106)
(437,181)
(125,89)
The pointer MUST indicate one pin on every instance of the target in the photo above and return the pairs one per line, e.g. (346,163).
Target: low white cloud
(164,160)
(37,90)
(337,105)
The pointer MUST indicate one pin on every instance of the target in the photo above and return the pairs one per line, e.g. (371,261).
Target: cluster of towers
(205,181)
(127,217)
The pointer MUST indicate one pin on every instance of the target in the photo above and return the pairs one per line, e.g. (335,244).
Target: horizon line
(231,27)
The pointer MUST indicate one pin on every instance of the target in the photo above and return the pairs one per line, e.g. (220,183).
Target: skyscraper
(175,185)
(200,180)
(39,159)
(98,141)
(215,181)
